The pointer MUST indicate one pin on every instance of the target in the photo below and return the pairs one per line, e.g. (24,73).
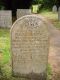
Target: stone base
(32,76)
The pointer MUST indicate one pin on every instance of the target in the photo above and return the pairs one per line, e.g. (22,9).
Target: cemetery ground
(54,51)
(52,17)
(5,63)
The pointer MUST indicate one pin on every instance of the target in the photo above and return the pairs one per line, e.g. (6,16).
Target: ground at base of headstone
(32,76)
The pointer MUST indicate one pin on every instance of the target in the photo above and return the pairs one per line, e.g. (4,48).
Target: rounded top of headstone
(33,19)
(54,9)
(54,5)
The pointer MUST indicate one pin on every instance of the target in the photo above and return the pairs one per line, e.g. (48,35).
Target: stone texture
(59,13)
(23,12)
(5,18)
(54,9)
(30,47)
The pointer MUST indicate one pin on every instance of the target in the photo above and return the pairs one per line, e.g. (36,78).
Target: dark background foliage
(26,4)
(13,4)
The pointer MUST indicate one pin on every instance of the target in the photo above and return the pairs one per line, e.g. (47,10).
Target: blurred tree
(13,4)
(25,4)
(1,5)
(37,1)
(47,3)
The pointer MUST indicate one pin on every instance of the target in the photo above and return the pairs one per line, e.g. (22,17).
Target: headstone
(59,13)
(23,12)
(30,47)
(5,19)
(54,9)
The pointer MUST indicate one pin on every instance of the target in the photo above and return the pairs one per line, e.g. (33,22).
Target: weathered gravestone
(54,9)
(30,47)
(5,19)
(23,12)
(59,13)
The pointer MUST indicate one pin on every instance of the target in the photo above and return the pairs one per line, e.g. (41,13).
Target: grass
(49,72)
(4,51)
(52,17)
(5,45)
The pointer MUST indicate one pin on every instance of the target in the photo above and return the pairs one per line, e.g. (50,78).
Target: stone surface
(30,47)
(23,12)
(5,18)
(59,13)
(54,9)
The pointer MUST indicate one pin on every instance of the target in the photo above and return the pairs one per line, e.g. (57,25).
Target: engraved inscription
(29,45)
